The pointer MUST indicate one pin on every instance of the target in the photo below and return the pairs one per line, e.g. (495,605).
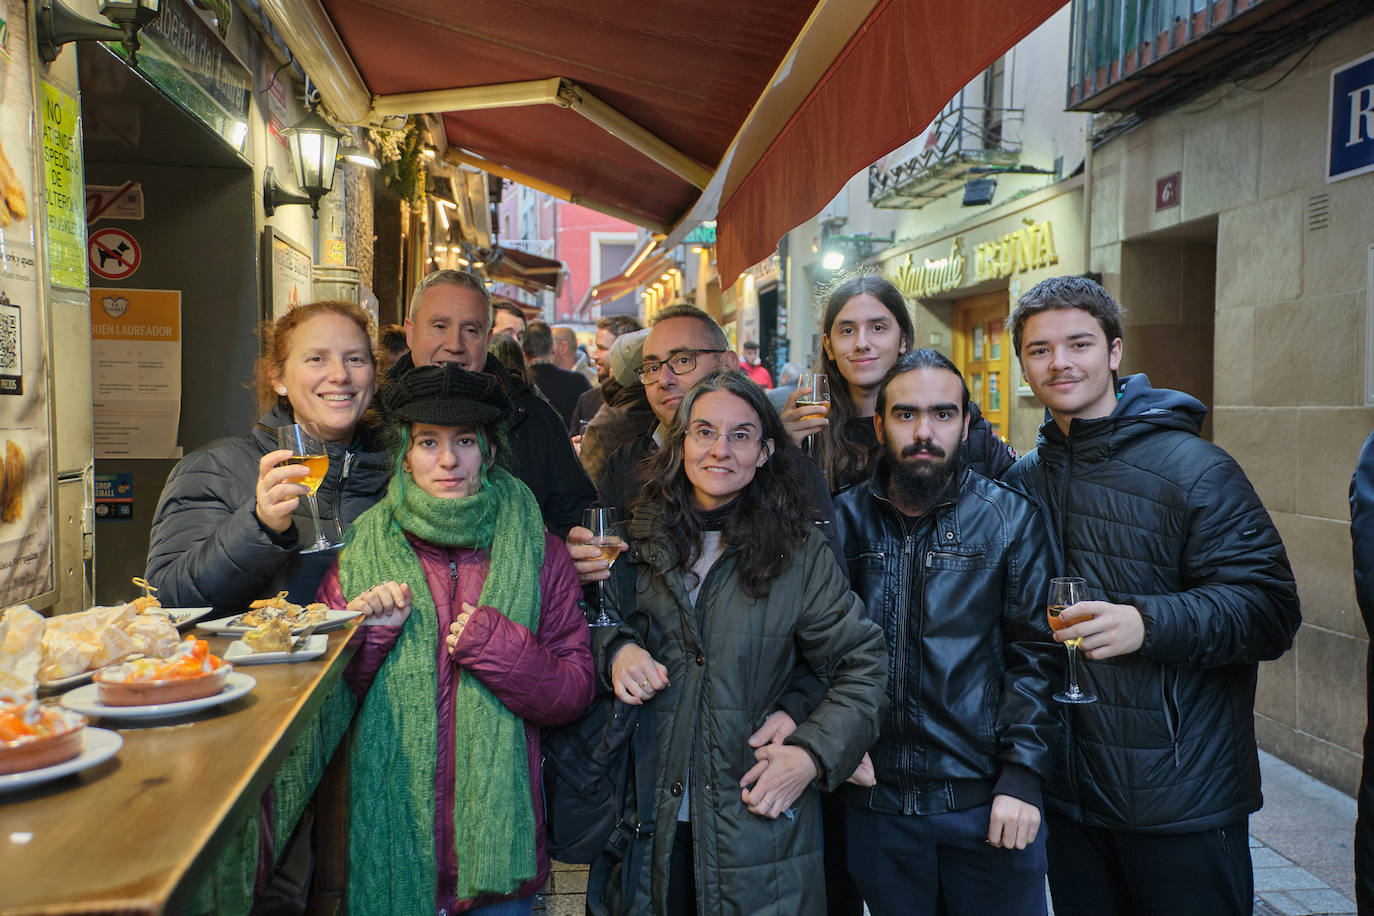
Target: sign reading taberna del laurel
(1350,135)
(185,58)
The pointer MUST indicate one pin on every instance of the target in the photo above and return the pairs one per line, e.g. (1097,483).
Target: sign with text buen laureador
(1029,248)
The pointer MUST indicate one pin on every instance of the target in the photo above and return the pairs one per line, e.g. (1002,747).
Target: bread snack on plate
(33,736)
(272,636)
(278,608)
(190,674)
(73,643)
(148,600)
(21,649)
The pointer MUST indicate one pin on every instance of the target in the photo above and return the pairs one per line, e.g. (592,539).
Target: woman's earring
(281,390)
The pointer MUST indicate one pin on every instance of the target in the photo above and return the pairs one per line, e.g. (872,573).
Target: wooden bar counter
(141,832)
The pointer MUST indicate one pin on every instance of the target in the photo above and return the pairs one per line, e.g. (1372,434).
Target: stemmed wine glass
(1064,593)
(308,451)
(818,400)
(601,523)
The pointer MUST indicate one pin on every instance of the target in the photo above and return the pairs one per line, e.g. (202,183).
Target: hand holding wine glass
(816,400)
(601,522)
(279,490)
(1065,592)
(308,452)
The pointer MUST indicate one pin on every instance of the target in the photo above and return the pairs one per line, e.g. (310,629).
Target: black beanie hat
(446,395)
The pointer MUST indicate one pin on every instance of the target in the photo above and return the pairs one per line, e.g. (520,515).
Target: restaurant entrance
(180,244)
(982,351)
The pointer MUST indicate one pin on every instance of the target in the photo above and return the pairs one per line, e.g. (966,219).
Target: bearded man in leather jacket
(955,568)
(1189,588)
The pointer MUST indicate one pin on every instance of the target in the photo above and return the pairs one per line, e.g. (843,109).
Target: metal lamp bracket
(57,25)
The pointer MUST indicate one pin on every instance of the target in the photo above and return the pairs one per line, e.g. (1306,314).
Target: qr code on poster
(9,339)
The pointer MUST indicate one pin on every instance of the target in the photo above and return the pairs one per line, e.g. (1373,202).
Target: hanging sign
(108,201)
(113,254)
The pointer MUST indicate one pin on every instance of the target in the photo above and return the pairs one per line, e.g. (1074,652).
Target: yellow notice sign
(136,345)
(136,314)
(62,178)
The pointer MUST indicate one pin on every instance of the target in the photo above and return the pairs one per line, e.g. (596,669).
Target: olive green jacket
(729,659)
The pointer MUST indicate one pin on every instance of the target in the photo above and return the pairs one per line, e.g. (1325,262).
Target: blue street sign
(1350,140)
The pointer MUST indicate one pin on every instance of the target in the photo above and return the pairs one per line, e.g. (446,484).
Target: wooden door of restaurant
(982,351)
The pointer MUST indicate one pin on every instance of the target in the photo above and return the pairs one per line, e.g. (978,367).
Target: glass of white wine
(1065,593)
(601,523)
(817,401)
(308,451)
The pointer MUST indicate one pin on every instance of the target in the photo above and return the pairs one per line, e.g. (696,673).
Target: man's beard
(923,485)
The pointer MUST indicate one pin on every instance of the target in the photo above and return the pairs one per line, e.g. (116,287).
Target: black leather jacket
(960,594)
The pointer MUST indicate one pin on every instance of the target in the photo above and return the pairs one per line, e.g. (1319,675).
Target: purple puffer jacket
(544,677)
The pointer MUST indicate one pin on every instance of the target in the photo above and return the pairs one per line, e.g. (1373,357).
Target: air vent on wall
(1318,212)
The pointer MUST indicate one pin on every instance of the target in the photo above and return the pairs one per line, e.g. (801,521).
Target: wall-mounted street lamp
(834,248)
(57,25)
(314,146)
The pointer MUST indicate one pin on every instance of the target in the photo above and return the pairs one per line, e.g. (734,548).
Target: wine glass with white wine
(817,401)
(309,452)
(1065,593)
(601,523)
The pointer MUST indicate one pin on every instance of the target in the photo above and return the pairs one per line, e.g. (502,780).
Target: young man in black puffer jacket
(1191,588)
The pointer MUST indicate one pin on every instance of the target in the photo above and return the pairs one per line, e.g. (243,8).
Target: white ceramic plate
(97,746)
(63,683)
(86,700)
(333,620)
(239,653)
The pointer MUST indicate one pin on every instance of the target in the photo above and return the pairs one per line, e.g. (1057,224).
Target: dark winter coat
(543,677)
(960,594)
(1157,518)
(542,455)
(729,658)
(207,546)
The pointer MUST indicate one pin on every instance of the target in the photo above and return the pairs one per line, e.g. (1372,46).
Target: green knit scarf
(393,860)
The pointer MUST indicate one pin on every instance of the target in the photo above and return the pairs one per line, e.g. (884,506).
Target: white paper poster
(136,347)
(26,563)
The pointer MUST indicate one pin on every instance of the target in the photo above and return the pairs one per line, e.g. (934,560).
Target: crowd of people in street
(840,615)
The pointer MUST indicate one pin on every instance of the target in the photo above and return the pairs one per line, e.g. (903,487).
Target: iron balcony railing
(1147,55)
(961,139)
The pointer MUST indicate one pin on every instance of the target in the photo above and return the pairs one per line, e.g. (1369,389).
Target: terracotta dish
(191,674)
(32,737)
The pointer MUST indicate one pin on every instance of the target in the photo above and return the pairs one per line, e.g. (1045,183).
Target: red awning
(664,113)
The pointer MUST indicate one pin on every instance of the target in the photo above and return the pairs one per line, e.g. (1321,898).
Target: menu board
(136,379)
(26,523)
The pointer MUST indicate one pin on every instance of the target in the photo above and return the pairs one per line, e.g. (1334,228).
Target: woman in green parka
(742,589)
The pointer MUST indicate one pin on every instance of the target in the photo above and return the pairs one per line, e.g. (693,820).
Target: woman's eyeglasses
(738,440)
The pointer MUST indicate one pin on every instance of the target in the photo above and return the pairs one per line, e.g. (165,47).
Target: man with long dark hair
(955,568)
